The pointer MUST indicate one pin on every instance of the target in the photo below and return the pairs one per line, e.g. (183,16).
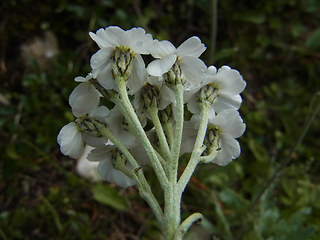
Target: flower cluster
(146,126)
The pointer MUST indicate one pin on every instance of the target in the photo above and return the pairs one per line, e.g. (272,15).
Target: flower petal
(227,102)
(230,122)
(94,141)
(100,59)
(110,174)
(193,70)
(160,66)
(84,98)
(87,169)
(110,37)
(140,42)
(138,75)
(71,141)
(230,81)
(100,113)
(162,49)
(191,47)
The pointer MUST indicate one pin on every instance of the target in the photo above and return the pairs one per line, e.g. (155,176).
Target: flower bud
(208,93)
(122,62)
(166,115)
(90,125)
(150,95)
(174,76)
(117,158)
(212,141)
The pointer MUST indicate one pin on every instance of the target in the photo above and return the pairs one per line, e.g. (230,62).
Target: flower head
(221,88)
(186,56)
(73,136)
(226,126)
(135,40)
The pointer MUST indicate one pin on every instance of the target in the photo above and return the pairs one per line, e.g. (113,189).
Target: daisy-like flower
(84,97)
(222,88)
(106,156)
(220,139)
(72,137)
(135,40)
(222,131)
(186,55)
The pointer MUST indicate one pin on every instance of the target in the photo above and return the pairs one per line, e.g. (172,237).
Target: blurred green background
(274,44)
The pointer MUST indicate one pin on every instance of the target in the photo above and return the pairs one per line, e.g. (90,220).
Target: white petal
(80,79)
(230,81)
(230,122)
(155,80)
(71,141)
(167,96)
(191,47)
(87,169)
(100,113)
(191,92)
(110,37)
(84,98)
(227,102)
(108,173)
(140,42)
(138,75)
(188,137)
(105,78)
(100,59)
(193,70)
(160,66)
(116,126)
(95,141)
(193,105)
(100,153)
(231,145)
(223,158)
(162,49)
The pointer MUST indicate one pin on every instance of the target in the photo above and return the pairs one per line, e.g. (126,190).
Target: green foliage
(274,45)
(109,196)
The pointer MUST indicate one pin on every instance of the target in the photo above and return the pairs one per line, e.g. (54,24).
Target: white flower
(227,84)
(108,39)
(120,128)
(187,56)
(104,155)
(165,97)
(86,168)
(228,125)
(71,140)
(84,97)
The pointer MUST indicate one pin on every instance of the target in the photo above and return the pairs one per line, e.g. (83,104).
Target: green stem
(178,131)
(197,150)
(137,174)
(132,118)
(153,111)
(186,224)
(169,132)
(172,196)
